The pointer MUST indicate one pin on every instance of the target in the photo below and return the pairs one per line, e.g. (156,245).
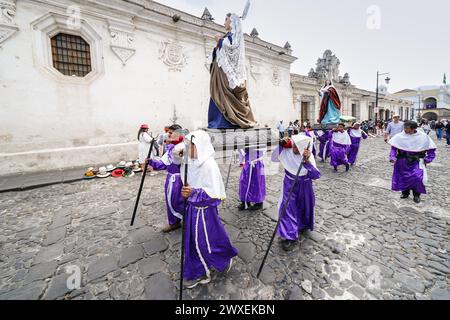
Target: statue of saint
(330,104)
(229,107)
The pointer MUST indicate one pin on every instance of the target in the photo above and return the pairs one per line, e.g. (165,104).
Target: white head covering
(342,138)
(231,58)
(356,133)
(291,161)
(416,142)
(203,172)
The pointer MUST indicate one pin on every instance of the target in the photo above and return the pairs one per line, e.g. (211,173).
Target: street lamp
(388,80)
(419,115)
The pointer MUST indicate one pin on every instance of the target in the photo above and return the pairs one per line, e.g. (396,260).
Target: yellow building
(430,102)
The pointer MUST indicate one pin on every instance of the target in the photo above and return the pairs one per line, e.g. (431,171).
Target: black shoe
(243,207)
(335,169)
(417,197)
(405,195)
(288,245)
(256,207)
(347,167)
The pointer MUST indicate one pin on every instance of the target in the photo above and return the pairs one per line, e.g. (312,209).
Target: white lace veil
(231,58)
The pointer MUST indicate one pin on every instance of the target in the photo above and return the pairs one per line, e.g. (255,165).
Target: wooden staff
(143,179)
(186,159)
(283,212)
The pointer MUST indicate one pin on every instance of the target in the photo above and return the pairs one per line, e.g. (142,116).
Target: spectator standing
(447,130)
(439,128)
(281,128)
(393,128)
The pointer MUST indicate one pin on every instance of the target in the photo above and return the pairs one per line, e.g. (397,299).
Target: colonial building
(78,78)
(430,102)
(356,102)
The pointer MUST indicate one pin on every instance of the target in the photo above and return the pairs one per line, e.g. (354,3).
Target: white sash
(173,178)
(425,172)
(201,211)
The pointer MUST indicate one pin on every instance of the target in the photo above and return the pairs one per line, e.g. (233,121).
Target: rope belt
(173,179)
(201,211)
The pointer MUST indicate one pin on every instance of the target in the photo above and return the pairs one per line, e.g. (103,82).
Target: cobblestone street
(368,244)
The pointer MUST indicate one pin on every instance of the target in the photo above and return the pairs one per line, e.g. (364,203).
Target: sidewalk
(26,181)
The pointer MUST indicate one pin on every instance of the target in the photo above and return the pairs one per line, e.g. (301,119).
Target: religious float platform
(325,127)
(224,140)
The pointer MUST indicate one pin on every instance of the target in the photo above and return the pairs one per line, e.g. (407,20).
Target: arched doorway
(387,115)
(305,114)
(430,116)
(430,103)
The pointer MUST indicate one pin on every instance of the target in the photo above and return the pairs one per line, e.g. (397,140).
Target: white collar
(204,173)
(356,133)
(291,161)
(416,142)
(342,138)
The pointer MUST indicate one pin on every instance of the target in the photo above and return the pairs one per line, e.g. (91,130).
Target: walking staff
(186,160)
(283,212)
(143,178)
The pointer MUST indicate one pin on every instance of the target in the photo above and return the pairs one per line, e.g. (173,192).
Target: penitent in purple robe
(207,242)
(338,152)
(409,176)
(174,199)
(354,148)
(252,183)
(324,148)
(300,210)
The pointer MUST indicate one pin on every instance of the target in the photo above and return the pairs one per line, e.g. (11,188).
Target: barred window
(71,55)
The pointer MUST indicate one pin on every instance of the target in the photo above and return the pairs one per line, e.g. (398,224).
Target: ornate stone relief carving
(171,53)
(276,76)
(7,13)
(122,43)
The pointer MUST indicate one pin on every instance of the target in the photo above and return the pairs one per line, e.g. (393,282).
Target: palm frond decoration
(246,9)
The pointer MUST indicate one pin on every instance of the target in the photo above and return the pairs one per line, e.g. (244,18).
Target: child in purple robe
(411,151)
(171,162)
(299,214)
(356,134)
(207,244)
(252,183)
(339,148)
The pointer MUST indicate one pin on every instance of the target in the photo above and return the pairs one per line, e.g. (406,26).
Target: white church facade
(78,78)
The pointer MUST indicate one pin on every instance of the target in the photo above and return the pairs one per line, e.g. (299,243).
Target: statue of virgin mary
(229,107)
(330,104)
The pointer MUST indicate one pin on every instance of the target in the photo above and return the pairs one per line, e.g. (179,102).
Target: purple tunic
(252,184)
(300,209)
(207,244)
(338,153)
(174,199)
(409,176)
(354,148)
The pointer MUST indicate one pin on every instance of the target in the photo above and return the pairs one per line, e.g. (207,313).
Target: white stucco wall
(46,123)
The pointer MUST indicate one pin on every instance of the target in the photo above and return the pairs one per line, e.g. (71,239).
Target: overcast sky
(408,38)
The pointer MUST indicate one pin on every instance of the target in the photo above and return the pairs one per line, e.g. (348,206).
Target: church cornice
(144,14)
